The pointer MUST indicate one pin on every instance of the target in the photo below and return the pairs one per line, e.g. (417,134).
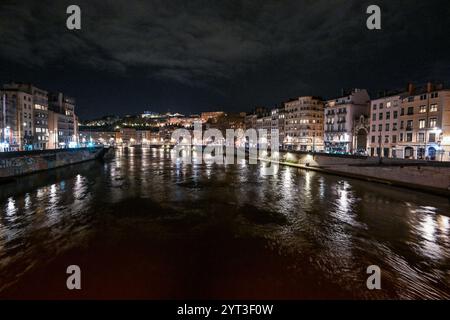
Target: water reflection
(11,207)
(312,234)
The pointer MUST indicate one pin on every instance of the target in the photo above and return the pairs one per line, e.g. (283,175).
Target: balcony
(335,130)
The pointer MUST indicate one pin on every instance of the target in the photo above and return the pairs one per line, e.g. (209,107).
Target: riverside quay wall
(429,176)
(15,164)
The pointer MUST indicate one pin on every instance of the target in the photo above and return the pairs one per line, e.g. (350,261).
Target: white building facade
(340,116)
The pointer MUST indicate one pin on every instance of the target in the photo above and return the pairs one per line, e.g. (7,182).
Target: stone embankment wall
(430,176)
(14,164)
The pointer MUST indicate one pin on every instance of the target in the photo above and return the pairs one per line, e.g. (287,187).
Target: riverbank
(20,163)
(428,176)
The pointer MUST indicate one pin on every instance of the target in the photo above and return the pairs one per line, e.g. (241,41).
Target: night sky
(192,56)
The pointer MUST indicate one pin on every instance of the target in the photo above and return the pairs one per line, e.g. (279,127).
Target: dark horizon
(192,57)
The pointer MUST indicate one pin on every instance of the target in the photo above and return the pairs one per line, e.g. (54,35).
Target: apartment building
(25,127)
(40,105)
(8,124)
(41,120)
(413,124)
(96,137)
(63,124)
(341,114)
(425,123)
(278,123)
(250,119)
(126,136)
(266,125)
(385,124)
(146,137)
(32,105)
(304,124)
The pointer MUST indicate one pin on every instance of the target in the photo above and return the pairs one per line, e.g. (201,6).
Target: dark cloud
(234,53)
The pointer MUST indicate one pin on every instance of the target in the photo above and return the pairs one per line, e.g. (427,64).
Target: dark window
(432,137)
(409,125)
(409,137)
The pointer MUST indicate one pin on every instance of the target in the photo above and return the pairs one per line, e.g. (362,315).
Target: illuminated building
(63,126)
(340,116)
(425,123)
(384,125)
(8,124)
(304,124)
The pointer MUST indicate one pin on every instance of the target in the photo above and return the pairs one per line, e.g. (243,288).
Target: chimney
(429,87)
(410,88)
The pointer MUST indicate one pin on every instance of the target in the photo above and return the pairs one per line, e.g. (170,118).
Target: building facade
(385,125)
(24,114)
(8,124)
(425,123)
(304,124)
(32,114)
(212,116)
(340,116)
(87,137)
(413,124)
(278,123)
(126,136)
(63,124)
(41,120)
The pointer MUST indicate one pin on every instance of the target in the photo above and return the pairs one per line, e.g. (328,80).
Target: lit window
(433,122)
(421,123)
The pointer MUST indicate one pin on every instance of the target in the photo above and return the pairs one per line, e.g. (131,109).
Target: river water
(142,226)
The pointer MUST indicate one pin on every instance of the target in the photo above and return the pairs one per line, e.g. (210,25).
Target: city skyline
(223,157)
(159,58)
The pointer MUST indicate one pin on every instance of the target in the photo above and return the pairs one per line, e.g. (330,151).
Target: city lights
(221,156)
